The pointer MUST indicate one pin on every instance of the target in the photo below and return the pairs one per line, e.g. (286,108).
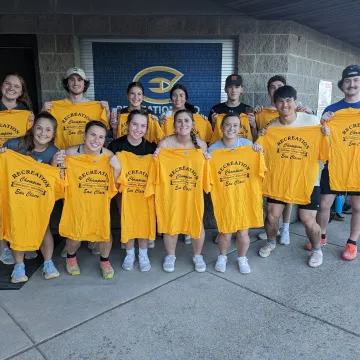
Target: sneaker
(338,217)
(266,250)
(348,211)
(216,241)
(221,263)
(18,274)
(308,246)
(49,270)
(349,252)
(169,263)
(72,266)
(199,263)
(244,267)
(284,238)
(94,247)
(263,236)
(106,269)
(63,252)
(144,263)
(151,244)
(30,255)
(128,263)
(316,258)
(6,256)
(187,239)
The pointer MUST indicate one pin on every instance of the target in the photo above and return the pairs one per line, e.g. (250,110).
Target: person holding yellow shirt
(184,138)
(285,102)
(262,116)
(38,143)
(14,96)
(95,135)
(179,98)
(135,143)
(230,127)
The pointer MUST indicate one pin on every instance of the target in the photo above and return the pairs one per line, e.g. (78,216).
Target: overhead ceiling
(339,19)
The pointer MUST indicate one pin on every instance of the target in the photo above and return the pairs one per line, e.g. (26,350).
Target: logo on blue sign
(157,82)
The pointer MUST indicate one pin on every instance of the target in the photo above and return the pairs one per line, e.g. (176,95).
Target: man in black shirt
(233,89)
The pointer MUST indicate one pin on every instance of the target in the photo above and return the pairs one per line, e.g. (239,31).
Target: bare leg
(313,230)
(274,212)
(72,246)
(143,243)
(323,215)
(242,242)
(18,256)
(47,245)
(224,243)
(197,244)
(287,213)
(355,218)
(170,242)
(130,244)
(105,247)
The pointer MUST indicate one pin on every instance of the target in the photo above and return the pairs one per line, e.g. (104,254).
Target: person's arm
(115,164)
(105,105)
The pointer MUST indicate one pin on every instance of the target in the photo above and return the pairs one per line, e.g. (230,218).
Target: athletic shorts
(314,200)
(325,185)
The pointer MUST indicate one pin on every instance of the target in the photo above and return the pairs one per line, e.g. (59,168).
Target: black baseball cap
(351,71)
(233,79)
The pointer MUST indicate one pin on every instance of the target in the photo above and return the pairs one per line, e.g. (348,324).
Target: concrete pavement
(282,310)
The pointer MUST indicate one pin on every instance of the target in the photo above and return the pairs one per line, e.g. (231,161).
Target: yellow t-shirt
(178,178)
(264,117)
(89,187)
(13,123)
(29,190)
(344,158)
(137,212)
(72,119)
(236,193)
(154,132)
(168,126)
(291,156)
(245,131)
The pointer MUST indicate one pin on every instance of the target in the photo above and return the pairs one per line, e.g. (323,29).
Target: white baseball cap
(75,70)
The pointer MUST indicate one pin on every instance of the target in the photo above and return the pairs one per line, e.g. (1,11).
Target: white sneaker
(244,267)
(199,263)
(94,247)
(316,258)
(187,239)
(284,238)
(169,263)
(128,263)
(144,263)
(216,241)
(221,263)
(266,250)
(151,244)
(6,256)
(263,236)
(30,255)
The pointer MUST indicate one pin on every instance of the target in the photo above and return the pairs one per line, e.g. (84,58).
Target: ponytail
(190,107)
(194,139)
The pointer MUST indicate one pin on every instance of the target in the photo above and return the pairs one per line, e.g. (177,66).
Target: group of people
(158,169)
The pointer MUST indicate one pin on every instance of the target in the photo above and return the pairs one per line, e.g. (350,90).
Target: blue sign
(158,66)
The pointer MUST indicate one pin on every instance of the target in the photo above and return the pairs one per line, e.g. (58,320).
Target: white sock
(286,227)
(130,252)
(241,257)
(143,252)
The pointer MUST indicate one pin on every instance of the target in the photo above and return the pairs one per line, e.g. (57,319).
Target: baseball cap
(351,71)
(233,79)
(75,70)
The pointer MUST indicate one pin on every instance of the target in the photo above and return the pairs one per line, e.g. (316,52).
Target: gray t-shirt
(239,142)
(45,156)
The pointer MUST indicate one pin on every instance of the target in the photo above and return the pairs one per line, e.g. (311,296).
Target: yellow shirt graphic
(344,159)
(291,156)
(72,119)
(264,117)
(245,131)
(89,187)
(236,193)
(178,178)
(13,123)
(137,212)
(154,132)
(29,190)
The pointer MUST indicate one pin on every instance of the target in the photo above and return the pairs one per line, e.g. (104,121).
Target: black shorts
(325,185)
(314,200)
